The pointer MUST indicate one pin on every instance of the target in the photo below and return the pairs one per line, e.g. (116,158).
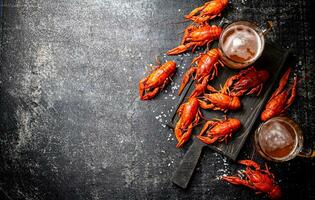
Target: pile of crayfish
(203,69)
(247,82)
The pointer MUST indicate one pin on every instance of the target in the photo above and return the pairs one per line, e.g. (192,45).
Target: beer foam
(278,140)
(241,43)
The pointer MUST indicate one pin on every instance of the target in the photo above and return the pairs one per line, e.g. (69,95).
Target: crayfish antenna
(158,60)
(181,22)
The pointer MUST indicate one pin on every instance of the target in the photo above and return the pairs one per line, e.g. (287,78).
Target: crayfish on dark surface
(205,69)
(249,81)
(196,36)
(189,116)
(263,181)
(157,80)
(281,99)
(208,11)
(219,130)
(219,101)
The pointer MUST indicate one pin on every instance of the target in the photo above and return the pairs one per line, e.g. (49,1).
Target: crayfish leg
(205,105)
(197,44)
(256,90)
(211,89)
(266,170)
(228,83)
(206,126)
(207,140)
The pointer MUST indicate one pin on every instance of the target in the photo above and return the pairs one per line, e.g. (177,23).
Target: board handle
(187,166)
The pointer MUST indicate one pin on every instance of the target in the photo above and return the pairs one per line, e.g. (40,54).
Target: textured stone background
(72,125)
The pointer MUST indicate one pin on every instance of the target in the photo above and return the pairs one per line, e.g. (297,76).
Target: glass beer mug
(280,139)
(241,43)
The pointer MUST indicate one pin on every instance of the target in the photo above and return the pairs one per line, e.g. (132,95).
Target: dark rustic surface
(71,123)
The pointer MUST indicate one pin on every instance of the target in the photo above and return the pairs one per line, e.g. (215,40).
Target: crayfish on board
(196,36)
(208,11)
(281,99)
(205,69)
(219,101)
(219,130)
(249,81)
(263,181)
(157,80)
(189,115)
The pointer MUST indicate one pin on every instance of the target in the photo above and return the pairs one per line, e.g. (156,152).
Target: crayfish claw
(249,163)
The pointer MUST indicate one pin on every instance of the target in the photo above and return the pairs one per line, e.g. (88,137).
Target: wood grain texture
(72,125)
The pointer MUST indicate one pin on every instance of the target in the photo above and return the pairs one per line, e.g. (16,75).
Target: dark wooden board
(272,60)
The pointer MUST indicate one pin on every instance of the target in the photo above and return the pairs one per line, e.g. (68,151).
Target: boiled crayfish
(197,35)
(189,115)
(280,99)
(157,80)
(219,130)
(205,69)
(257,179)
(208,11)
(219,101)
(249,80)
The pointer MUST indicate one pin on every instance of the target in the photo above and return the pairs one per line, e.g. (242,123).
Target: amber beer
(241,44)
(279,139)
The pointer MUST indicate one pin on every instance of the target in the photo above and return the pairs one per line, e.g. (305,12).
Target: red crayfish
(189,115)
(257,179)
(249,80)
(205,70)
(219,130)
(157,80)
(208,11)
(280,99)
(219,101)
(197,35)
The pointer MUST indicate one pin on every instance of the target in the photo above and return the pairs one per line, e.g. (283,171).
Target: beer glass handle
(268,28)
(307,153)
